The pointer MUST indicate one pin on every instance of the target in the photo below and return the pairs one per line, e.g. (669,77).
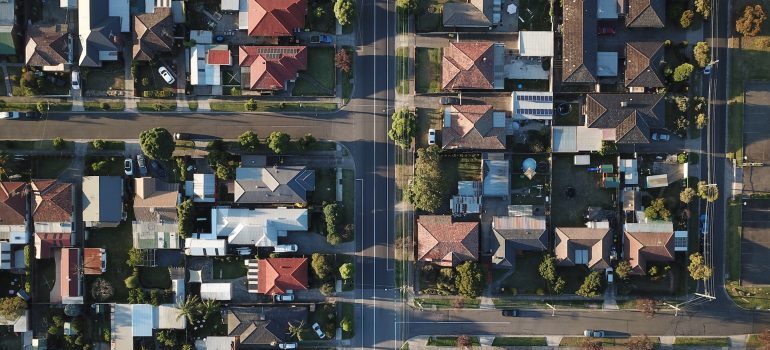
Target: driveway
(310,242)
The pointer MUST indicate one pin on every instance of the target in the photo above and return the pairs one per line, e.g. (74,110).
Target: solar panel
(534,98)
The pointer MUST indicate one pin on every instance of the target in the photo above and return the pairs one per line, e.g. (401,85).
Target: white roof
(177,285)
(259,227)
(201,36)
(202,73)
(216,343)
(607,64)
(532,105)
(68,4)
(122,338)
(653,226)
(140,314)
(536,43)
(655,181)
(629,168)
(204,247)
(229,5)
(573,139)
(168,317)
(582,159)
(496,178)
(243,15)
(216,291)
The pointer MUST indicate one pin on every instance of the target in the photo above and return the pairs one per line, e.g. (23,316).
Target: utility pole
(553,309)
(675,307)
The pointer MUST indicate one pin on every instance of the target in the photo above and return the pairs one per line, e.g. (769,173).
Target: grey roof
(646,14)
(259,227)
(7,14)
(100,31)
(579,41)
(496,178)
(263,325)
(463,14)
(632,115)
(102,198)
(644,64)
(154,235)
(515,234)
(285,184)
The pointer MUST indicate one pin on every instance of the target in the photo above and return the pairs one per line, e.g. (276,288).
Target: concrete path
(55,293)
(7,79)
(128,79)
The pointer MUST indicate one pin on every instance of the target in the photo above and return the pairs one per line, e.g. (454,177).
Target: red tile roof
(472,127)
(13,207)
(270,67)
(444,242)
(69,276)
(642,247)
(46,242)
(92,261)
(52,201)
(468,65)
(218,56)
(276,17)
(277,275)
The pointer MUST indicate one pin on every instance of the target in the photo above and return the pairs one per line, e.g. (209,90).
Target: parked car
(707,70)
(9,115)
(34,115)
(449,100)
(594,334)
(286,248)
(166,75)
(431,136)
(128,167)
(511,313)
(665,136)
(285,298)
(75,80)
(606,31)
(142,165)
(318,331)
(181,136)
(610,275)
(157,168)
(321,39)
(287,345)
(242,251)
(704,225)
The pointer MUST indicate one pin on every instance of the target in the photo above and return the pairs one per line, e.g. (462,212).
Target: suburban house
(217,342)
(206,63)
(532,105)
(523,229)
(446,243)
(131,321)
(13,224)
(281,275)
(473,66)
(579,47)
(473,127)
(48,47)
(263,325)
(273,184)
(256,227)
(52,212)
(100,24)
(155,235)
(574,139)
(70,279)
(46,243)
(625,118)
(644,66)
(202,188)
(155,200)
(275,18)
(651,242)
(270,67)
(153,33)
(103,201)
(646,14)
(589,246)
(472,14)
(205,247)
(8,27)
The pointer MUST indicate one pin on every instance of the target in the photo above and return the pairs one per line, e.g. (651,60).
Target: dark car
(157,168)
(182,136)
(34,115)
(449,100)
(606,31)
(511,313)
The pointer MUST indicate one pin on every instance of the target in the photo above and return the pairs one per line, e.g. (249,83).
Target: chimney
(623,104)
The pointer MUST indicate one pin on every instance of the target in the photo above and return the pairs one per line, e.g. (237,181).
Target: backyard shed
(216,291)
(582,159)
(657,181)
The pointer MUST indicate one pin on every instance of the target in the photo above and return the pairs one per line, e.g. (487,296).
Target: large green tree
(321,266)
(697,267)
(428,186)
(591,285)
(703,7)
(709,192)
(750,23)
(12,307)
(249,141)
(403,128)
(657,210)
(702,53)
(345,11)
(469,279)
(157,143)
(278,141)
(185,218)
(683,72)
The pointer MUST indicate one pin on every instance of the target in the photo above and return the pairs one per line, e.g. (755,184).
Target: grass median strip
(269,106)
(702,341)
(402,70)
(156,106)
(448,303)
(104,106)
(450,341)
(519,341)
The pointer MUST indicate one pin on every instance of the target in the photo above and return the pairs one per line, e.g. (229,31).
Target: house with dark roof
(589,246)
(651,242)
(263,325)
(646,14)
(579,42)
(473,66)
(515,234)
(155,200)
(13,224)
(644,66)
(270,67)
(276,18)
(446,243)
(102,201)
(100,24)
(475,127)
(70,279)
(48,47)
(274,185)
(282,275)
(52,208)
(153,33)
(625,118)
(472,14)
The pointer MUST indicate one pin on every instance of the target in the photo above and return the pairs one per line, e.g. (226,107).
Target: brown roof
(46,45)
(270,67)
(644,62)
(153,33)
(155,200)
(641,247)
(276,17)
(596,242)
(646,14)
(472,127)
(69,276)
(579,41)
(445,242)
(468,65)
(92,261)
(277,275)
(46,242)
(52,201)
(13,206)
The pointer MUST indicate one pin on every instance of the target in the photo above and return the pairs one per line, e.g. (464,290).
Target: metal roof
(536,43)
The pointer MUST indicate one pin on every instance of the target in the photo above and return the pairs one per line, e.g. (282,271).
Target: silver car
(166,75)
(318,331)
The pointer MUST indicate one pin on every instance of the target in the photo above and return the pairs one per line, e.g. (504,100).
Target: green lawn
(49,168)
(526,279)
(348,311)
(326,316)
(697,341)
(226,269)
(427,303)
(30,106)
(44,278)
(114,166)
(733,265)
(607,343)
(570,212)
(110,76)
(109,146)
(449,341)
(155,277)
(270,106)
(465,167)
(427,68)
(519,341)
(428,18)
(348,196)
(572,118)
(44,145)
(325,23)
(319,79)
(402,70)
(325,179)
(749,297)
(193,105)
(117,241)
(157,106)
(427,119)
(99,106)
(672,284)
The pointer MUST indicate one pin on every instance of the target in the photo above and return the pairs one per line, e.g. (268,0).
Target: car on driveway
(593,333)
(321,39)
(142,165)
(75,80)
(318,331)
(287,346)
(511,313)
(449,100)
(9,115)
(163,71)
(606,31)
(283,298)
(431,136)
(128,167)
(286,248)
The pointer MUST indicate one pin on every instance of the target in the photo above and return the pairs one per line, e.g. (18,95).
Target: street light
(553,309)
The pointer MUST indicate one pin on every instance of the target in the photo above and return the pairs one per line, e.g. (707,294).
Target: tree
(305,142)
(155,297)
(428,186)
(327,289)
(709,192)
(134,258)
(297,331)
(687,195)
(407,5)
(185,218)
(683,72)
(5,163)
(332,216)
(166,338)
(697,267)
(132,281)
(188,308)
(102,290)
(702,53)
(224,172)
(41,106)
(98,144)
(342,60)
(641,343)
(464,341)
(12,307)
(57,143)
(249,141)
(701,121)
(547,268)
(208,307)
(591,285)
(346,324)
(623,269)
(345,11)
(403,128)
(558,286)
(750,24)
(469,279)
(608,148)
(657,210)
(647,306)
(346,271)
(703,7)
(321,267)
(278,141)
(157,143)
(686,20)
(682,102)
(250,105)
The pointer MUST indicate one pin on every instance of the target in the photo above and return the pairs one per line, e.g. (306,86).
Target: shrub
(683,72)
(250,105)
(469,281)
(132,282)
(321,266)
(591,285)
(327,288)
(58,143)
(686,20)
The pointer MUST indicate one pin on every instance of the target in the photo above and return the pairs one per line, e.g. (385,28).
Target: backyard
(320,16)
(534,15)
(427,70)
(229,268)
(458,167)
(154,277)
(320,77)
(429,17)
(567,209)
(117,241)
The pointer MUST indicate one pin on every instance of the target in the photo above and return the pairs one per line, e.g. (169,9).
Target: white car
(243,251)
(75,80)
(594,334)
(431,136)
(318,331)
(128,167)
(286,248)
(610,275)
(166,75)
(286,298)
(287,345)
(9,115)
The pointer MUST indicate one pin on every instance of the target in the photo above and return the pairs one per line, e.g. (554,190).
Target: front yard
(104,166)
(320,77)
(427,119)
(427,70)
(110,76)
